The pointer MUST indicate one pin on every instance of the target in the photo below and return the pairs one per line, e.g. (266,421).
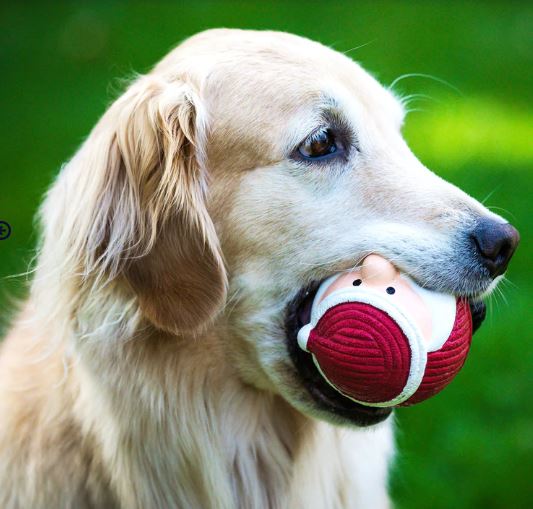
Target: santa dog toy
(382,340)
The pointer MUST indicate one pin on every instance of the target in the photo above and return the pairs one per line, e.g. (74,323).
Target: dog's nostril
(495,243)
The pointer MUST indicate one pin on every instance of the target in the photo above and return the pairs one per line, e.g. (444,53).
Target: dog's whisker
(426,76)
(497,188)
(413,110)
(408,99)
(501,294)
(507,282)
(359,47)
(501,209)
(498,298)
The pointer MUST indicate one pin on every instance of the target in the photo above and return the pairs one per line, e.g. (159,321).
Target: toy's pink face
(379,275)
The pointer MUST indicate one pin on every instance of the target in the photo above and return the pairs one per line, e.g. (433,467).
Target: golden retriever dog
(154,364)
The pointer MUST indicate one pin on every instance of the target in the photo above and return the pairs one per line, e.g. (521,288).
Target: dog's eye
(320,145)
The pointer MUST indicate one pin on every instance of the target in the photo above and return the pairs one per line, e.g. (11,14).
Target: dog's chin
(326,400)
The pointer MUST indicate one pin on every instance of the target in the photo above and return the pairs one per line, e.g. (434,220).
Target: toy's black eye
(357,282)
(320,145)
(391,290)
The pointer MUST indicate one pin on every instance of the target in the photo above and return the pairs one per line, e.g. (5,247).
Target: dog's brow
(328,102)
(328,109)
(322,110)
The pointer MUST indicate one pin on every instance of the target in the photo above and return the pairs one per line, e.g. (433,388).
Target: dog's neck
(176,418)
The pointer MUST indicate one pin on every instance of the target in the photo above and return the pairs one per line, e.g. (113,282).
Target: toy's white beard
(442,308)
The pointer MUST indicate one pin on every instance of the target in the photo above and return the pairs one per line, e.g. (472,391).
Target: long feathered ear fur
(134,206)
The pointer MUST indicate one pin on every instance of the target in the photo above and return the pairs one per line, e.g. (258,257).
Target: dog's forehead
(281,71)
(257,85)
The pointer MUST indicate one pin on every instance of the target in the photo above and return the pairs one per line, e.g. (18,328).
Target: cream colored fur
(148,368)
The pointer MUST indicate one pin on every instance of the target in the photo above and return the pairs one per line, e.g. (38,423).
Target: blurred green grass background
(470,447)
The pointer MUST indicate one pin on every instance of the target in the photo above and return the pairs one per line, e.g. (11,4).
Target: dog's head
(223,186)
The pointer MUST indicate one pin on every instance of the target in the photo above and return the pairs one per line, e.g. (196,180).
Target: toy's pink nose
(377,270)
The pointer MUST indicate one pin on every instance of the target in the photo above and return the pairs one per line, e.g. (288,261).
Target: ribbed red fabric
(442,365)
(361,351)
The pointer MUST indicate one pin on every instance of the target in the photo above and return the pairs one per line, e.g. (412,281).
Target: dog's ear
(141,187)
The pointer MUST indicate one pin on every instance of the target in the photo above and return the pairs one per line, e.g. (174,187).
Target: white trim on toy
(443,308)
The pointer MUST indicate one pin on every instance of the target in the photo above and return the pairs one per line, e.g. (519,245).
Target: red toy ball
(369,346)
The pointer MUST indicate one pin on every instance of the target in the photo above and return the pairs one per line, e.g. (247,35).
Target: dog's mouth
(324,395)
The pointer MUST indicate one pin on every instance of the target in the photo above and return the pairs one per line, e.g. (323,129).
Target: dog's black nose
(495,243)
